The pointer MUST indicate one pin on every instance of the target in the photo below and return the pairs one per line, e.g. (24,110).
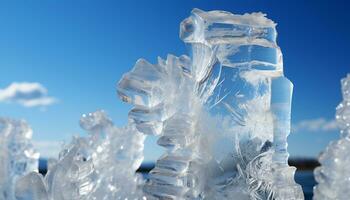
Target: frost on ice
(17,156)
(222,114)
(333,176)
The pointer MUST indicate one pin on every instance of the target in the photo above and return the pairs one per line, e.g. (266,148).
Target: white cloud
(48,148)
(315,125)
(27,94)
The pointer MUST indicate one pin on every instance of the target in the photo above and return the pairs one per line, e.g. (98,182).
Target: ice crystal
(223,115)
(101,166)
(17,156)
(333,176)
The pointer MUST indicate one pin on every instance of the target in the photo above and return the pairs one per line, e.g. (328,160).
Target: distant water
(304,178)
(307,181)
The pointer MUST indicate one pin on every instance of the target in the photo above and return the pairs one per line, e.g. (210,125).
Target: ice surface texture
(222,114)
(101,166)
(17,156)
(333,176)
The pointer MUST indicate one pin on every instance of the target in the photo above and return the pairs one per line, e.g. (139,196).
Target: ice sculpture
(223,115)
(333,176)
(101,166)
(17,156)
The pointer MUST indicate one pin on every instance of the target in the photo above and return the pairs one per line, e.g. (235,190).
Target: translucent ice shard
(172,116)
(116,155)
(17,156)
(31,186)
(101,166)
(333,176)
(223,115)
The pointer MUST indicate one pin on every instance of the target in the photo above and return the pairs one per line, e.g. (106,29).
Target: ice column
(17,156)
(333,176)
(245,87)
(284,186)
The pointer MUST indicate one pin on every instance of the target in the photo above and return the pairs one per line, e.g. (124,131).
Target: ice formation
(333,176)
(17,156)
(222,114)
(101,166)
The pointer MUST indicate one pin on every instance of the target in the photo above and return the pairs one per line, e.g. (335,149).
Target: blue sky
(78,50)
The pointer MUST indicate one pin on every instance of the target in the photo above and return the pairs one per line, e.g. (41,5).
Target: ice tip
(94,120)
(345,87)
(12,126)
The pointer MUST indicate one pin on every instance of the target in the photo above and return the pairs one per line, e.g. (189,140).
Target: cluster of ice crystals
(101,166)
(333,176)
(223,115)
(17,156)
